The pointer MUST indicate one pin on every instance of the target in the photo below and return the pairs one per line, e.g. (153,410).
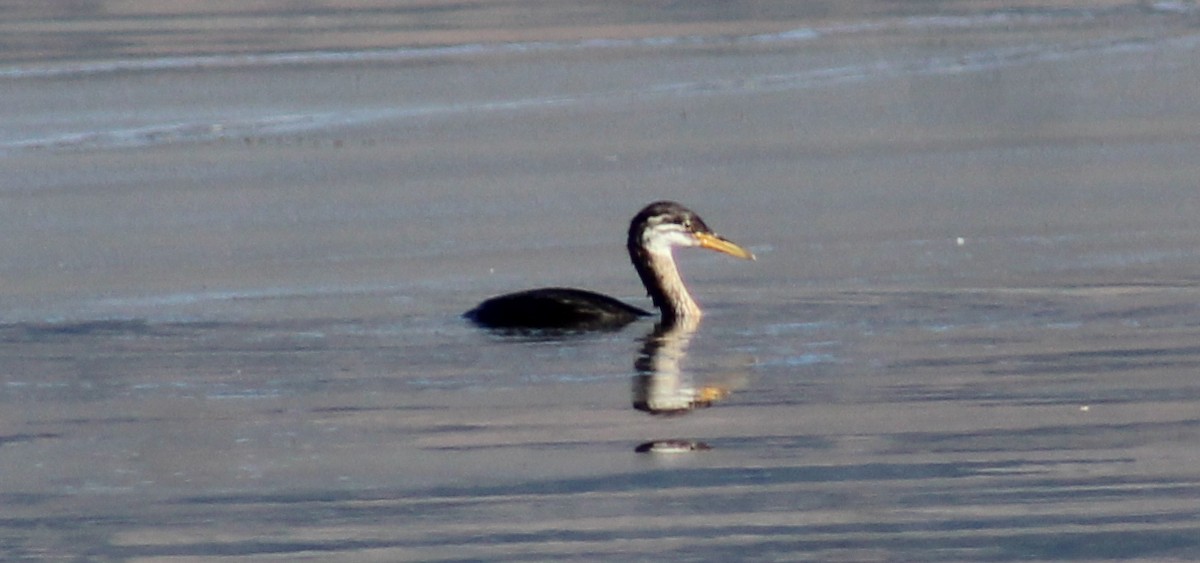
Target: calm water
(234,257)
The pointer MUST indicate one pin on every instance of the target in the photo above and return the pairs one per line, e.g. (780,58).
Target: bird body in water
(653,233)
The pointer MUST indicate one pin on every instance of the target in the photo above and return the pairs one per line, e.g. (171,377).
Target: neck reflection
(660,385)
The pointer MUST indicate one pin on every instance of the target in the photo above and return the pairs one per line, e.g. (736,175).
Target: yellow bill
(715,242)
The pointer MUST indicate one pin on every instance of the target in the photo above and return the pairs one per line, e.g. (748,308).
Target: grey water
(233,260)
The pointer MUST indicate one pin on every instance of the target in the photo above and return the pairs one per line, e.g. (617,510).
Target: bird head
(663,225)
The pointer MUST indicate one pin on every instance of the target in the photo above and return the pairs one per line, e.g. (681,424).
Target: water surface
(234,257)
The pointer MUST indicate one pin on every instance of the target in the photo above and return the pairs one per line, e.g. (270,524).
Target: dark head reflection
(671,447)
(660,385)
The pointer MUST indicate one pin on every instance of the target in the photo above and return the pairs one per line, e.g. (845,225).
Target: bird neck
(663,283)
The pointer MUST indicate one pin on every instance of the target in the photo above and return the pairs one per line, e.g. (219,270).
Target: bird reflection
(660,385)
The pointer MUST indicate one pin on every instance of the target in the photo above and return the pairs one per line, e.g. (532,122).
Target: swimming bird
(653,234)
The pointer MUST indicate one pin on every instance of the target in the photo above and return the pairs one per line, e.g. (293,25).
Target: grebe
(653,233)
